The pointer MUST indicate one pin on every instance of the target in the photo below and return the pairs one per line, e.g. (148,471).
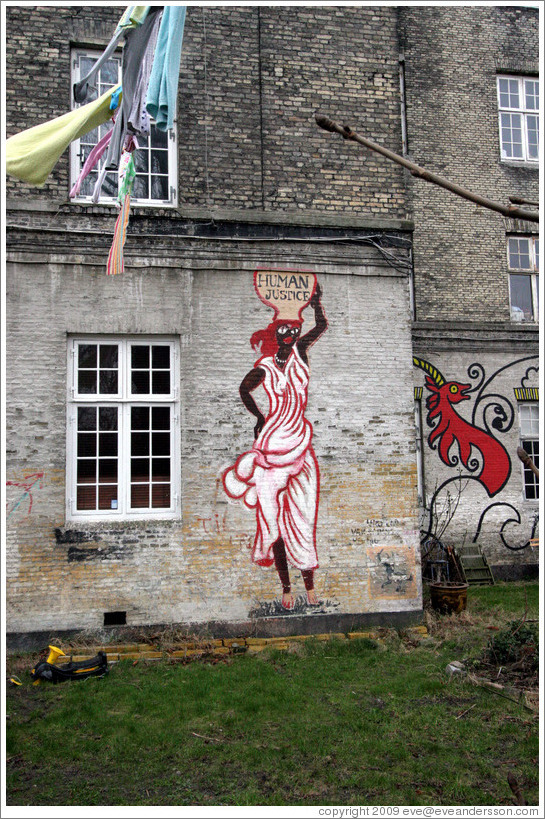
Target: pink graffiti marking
(27,484)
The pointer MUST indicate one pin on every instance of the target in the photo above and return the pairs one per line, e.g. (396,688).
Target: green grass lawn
(330,723)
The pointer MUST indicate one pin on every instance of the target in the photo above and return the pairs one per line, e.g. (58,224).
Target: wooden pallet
(474,566)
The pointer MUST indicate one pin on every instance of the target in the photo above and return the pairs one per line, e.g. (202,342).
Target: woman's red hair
(264,341)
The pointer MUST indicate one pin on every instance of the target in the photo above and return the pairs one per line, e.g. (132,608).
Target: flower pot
(449,597)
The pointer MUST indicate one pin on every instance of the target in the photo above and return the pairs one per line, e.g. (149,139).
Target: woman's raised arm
(319,328)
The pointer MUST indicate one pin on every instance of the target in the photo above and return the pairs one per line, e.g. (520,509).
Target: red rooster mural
(449,428)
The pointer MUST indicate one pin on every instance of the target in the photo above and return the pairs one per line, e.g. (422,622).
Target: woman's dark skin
(286,336)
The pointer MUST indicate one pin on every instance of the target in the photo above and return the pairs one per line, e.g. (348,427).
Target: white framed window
(123,437)
(529,441)
(155,159)
(523,264)
(518,107)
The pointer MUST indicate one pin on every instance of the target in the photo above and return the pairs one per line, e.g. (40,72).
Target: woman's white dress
(279,476)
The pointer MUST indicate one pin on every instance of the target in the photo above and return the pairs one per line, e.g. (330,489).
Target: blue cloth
(163,84)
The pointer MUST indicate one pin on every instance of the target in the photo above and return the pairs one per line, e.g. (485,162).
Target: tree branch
(346,132)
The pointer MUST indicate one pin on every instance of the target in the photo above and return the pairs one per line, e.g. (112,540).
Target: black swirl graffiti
(506,522)
(502,409)
(479,369)
(503,416)
(474,371)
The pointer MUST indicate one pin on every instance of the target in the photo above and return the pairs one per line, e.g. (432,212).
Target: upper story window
(123,460)
(523,262)
(529,439)
(155,159)
(518,105)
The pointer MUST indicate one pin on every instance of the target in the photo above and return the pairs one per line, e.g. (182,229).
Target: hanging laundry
(91,161)
(163,84)
(133,54)
(131,18)
(138,120)
(32,154)
(127,173)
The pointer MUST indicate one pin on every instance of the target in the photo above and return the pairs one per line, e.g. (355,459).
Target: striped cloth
(127,172)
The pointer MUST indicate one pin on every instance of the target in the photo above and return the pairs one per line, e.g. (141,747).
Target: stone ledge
(229,646)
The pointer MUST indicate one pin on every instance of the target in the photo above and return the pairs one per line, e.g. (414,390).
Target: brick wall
(452,57)
(65,575)
(251,80)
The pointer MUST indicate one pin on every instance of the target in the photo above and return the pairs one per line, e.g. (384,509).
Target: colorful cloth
(126,175)
(163,84)
(32,154)
(132,17)
(138,120)
(133,54)
(279,476)
(91,162)
(115,257)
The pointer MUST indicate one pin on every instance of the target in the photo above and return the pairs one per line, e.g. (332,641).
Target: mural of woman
(279,476)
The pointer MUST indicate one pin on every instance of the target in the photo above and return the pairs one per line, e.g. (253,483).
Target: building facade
(124,412)
(474,121)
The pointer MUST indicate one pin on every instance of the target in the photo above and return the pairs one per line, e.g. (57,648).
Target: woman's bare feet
(312,598)
(287,600)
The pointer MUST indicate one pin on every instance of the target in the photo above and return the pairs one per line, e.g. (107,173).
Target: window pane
(107,497)
(160,469)
(87,471)
(511,135)
(87,418)
(140,469)
(160,417)
(141,160)
(107,470)
(140,356)
(87,355)
(108,356)
(160,496)
(140,496)
(141,187)
(533,136)
(531,91)
(108,382)
(140,443)
(107,444)
(529,420)
(161,383)
(140,417)
(107,418)
(536,251)
(514,101)
(519,254)
(86,498)
(160,443)
(87,382)
(531,482)
(109,73)
(159,162)
(87,444)
(160,357)
(140,383)
(158,139)
(521,298)
(159,187)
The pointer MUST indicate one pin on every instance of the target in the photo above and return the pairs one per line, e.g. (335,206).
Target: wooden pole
(527,461)
(346,132)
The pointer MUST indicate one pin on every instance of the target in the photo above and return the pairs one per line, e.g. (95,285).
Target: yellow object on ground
(32,154)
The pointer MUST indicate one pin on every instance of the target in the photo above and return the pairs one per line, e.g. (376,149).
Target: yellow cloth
(133,16)
(32,154)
